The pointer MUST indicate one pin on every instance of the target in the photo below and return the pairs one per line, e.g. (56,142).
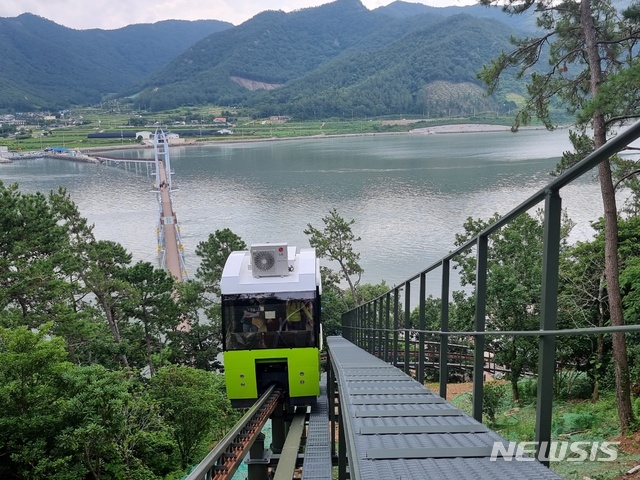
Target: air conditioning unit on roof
(269,260)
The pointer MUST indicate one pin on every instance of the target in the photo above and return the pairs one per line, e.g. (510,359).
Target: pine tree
(589,44)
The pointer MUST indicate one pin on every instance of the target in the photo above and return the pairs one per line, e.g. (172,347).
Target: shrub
(528,390)
(573,385)
(636,408)
(575,422)
(492,400)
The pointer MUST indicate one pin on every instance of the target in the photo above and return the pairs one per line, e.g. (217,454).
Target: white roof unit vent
(269,260)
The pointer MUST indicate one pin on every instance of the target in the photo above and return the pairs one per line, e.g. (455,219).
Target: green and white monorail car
(271,323)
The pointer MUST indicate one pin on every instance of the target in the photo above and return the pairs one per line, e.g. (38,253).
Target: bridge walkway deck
(168,223)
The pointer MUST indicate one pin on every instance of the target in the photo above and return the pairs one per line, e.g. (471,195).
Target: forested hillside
(337,59)
(273,48)
(334,60)
(401,77)
(46,65)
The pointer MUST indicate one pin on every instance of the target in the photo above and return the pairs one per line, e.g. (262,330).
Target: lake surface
(409,194)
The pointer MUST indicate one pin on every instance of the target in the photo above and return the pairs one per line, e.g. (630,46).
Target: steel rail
(224,459)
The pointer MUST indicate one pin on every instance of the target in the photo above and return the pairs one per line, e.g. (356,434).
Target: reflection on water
(408,194)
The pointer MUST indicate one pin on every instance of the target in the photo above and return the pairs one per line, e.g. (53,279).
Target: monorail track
(222,462)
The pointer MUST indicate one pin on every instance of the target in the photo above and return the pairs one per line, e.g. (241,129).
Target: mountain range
(336,59)
(47,66)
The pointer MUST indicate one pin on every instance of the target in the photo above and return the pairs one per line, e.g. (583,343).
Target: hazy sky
(109,14)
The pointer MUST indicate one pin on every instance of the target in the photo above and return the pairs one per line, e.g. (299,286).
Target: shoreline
(461,128)
(437,129)
(432,130)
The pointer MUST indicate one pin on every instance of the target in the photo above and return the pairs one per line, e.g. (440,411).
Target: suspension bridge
(170,247)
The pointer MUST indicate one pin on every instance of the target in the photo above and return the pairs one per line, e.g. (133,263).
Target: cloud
(110,14)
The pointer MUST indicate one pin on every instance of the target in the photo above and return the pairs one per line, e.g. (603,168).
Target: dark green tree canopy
(213,254)
(336,243)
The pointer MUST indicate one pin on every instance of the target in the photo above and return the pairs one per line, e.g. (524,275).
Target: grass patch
(572,421)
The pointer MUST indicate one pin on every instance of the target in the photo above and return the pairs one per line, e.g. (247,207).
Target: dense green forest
(96,378)
(48,66)
(107,368)
(334,60)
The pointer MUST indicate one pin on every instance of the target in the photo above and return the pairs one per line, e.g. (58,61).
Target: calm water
(408,194)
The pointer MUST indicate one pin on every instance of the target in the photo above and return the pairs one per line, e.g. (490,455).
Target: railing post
(371,323)
(407,328)
(345,324)
(387,326)
(380,347)
(548,321)
(353,326)
(364,309)
(356,327)
(353,335)
(365,327)
(361,326)
(396,313)
(481,307)
(421,338)
(444,327)
(373,333)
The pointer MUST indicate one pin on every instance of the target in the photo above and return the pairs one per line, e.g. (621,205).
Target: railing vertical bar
(371,334)
(481,300)
(354,326)
(345,324)
(422,326)
(358,325)
(365,324)
(373,326)
(396,326)
(353,323)
(387,326)
(548,321)
(407,327)
(361,326)
(444,327)
(377,305)
(359,310)
(380,346)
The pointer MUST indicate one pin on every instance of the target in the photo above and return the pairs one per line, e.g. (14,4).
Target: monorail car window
(275,320)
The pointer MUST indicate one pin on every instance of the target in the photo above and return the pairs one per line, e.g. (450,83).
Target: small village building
(144,135)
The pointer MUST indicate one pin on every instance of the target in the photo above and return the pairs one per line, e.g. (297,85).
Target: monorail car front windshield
(270,320)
